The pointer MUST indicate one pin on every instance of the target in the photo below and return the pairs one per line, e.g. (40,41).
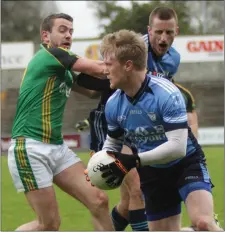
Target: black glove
(120,167)
(82,125)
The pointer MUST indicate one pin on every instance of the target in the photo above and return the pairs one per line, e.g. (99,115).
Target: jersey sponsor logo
(135,111)
(143,135)
(158,74)
(64,89)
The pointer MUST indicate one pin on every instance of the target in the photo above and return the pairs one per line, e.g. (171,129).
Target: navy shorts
(98,129)
(165,188)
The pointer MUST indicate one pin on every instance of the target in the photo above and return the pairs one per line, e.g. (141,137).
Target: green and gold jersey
(188,98)
(44,90)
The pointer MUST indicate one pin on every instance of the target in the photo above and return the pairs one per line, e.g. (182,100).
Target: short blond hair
(126,45)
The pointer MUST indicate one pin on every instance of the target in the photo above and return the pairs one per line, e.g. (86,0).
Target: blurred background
(200,43)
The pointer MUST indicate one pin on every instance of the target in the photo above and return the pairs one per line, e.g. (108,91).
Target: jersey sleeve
(173,111)
(63,56)
(189,99)
(176,60)
(92,83)
(113,128)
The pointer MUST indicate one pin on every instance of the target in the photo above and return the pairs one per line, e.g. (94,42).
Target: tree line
(21,19)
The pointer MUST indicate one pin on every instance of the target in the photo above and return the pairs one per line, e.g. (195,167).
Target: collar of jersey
(144,88)
(45,46)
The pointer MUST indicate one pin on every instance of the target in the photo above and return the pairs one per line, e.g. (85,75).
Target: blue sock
(119,222)
(138,220)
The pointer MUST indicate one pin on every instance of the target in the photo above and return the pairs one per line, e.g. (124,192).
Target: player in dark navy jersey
(151,113)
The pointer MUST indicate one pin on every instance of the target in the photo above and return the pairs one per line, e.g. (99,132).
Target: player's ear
(45,37)
(128,65)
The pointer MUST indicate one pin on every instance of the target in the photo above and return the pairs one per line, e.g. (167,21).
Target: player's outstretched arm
(95,68)
(92,83)
(86,92)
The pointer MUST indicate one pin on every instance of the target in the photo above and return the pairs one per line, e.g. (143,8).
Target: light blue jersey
(164,66)
(158,107)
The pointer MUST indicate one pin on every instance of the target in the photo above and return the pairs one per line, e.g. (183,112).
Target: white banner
(200,48)
(191,48)
(16,55)
(211,136)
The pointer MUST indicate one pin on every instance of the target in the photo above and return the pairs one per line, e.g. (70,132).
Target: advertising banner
(191,48)
(16,55)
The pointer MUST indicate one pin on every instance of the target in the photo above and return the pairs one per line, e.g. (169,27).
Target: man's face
(61,34)
(117,71)
(162,34)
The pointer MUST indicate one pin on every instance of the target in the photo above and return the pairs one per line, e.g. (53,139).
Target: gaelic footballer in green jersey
(44,90)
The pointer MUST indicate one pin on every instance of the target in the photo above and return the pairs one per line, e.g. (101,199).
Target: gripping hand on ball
(121,166)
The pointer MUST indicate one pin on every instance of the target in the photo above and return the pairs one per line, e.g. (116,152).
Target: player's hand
(86,176)
(121,166)
(127,160)
(82,125)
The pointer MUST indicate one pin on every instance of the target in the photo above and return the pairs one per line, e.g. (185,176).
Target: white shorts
(33,164)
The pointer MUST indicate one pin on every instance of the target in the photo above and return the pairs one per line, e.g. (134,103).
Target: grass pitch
(16,211)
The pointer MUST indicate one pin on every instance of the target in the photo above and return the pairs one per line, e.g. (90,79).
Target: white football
(95,163)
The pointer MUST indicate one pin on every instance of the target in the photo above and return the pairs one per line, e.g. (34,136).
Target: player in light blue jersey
(163,61)
(151,113)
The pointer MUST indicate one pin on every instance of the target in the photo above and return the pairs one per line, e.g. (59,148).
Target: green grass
(16,211)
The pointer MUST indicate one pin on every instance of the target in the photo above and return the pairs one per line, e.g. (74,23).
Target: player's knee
(203,223)
(51,224)
(101,202)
